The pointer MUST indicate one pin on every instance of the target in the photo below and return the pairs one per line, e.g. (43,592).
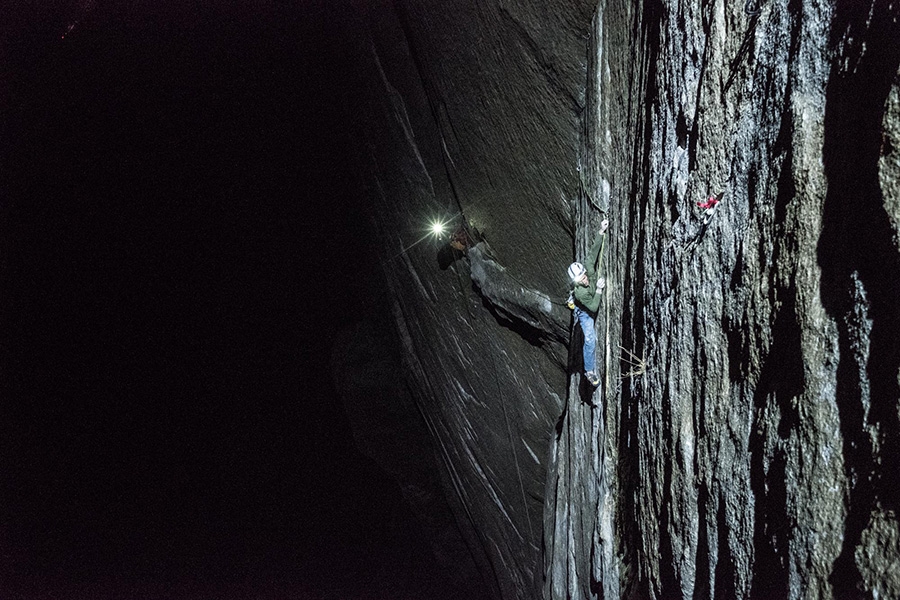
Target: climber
(584,300)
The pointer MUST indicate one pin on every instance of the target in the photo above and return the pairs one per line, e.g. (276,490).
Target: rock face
(745,438)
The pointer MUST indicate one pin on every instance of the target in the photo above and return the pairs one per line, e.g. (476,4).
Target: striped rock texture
(745,439)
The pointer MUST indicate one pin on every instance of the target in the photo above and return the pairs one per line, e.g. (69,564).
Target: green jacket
(587,297)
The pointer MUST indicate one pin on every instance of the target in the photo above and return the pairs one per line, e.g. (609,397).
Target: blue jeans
(590,338)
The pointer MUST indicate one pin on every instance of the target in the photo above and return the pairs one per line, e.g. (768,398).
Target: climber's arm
(593,256)
(588,298)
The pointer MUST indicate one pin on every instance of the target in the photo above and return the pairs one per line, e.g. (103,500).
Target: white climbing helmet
(576,270)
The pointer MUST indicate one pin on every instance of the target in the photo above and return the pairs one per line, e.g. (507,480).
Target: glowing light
(435,230)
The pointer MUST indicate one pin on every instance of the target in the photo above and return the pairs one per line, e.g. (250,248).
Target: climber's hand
(604,225)
(601,283)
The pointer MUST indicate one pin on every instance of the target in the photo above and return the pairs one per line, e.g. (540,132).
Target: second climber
(585,298)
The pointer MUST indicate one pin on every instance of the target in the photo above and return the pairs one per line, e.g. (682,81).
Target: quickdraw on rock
(709,208)
(709,204)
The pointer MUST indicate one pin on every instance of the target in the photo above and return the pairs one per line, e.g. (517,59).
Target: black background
(181,240)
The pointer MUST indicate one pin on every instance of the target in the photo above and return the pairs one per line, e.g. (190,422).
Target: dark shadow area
(735,332)
(176,212)
(646,28)
(458,243)
(534,336)
(670,585)
(725,568)
(561,422)
(447,255)
(781,382)
(704,567)
(861,265)
(586,392)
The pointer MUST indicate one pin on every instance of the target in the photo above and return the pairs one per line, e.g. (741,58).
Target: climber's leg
(590,338)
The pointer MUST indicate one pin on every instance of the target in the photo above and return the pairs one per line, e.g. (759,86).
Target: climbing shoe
(592,377)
